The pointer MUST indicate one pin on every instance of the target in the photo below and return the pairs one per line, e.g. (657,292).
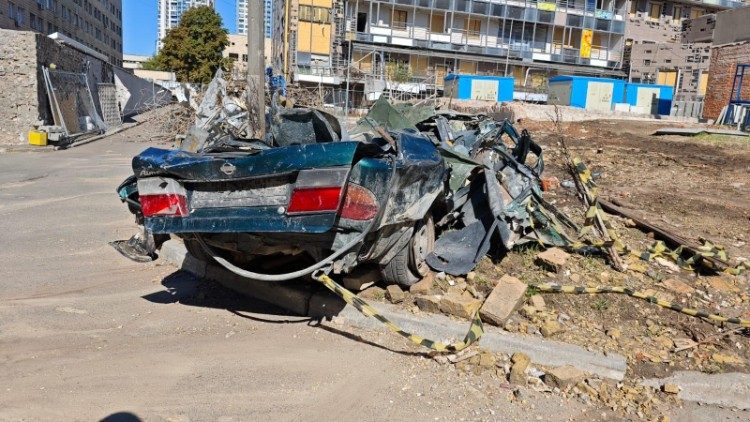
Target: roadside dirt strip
(296,297)
(731,389)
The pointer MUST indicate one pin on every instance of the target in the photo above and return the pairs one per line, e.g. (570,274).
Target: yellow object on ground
(37,137)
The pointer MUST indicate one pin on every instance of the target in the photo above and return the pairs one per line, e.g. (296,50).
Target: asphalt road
(85,333)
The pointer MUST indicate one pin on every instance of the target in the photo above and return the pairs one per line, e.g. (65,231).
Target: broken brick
(504,299)
(553,259)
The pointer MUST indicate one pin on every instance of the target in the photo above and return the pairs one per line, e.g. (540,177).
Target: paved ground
(85,333)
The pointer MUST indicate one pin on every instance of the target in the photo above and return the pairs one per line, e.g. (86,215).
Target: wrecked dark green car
(409,189)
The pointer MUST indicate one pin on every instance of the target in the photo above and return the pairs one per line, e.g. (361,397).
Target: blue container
(591,93)
(479,87)
(656,99)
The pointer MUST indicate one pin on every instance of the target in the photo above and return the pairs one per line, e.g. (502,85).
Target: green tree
(193,49)
(151,64)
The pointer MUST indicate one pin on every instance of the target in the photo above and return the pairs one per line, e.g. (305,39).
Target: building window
(677,14)
(696,12)
(314,14)
(473,27)
(647,62)
(399,19)
(437,23)
(654,11)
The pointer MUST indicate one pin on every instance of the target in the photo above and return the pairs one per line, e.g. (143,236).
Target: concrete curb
(312,300)
(730,389)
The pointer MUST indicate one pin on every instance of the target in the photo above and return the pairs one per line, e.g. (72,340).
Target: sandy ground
(84,333)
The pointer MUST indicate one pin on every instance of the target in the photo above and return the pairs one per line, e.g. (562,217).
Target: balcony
(459,41)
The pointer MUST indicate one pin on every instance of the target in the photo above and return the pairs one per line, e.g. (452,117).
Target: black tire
(195,249)
(408,266)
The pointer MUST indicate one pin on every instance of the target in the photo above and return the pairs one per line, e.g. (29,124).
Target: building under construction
(414,43)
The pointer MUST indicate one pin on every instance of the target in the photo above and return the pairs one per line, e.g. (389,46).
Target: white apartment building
(170,12)
(267,17)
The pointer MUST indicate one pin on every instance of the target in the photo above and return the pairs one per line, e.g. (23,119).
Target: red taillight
(164,205)
(359,203)
(314,199)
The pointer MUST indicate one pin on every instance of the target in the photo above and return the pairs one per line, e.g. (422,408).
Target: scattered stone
(487,360)
(424,286)
(553,259)
(677,286)
(471,276)
(527,311)
(550,328)
(373,292)
(683,343)
(670,388)
(725,359)
(550,183)
(614,333)
(664,341)
(520,361)
(459,305)
(721,285)
(575,278)
(463,355)
(395,294)
(455,290)
(671,266)
(537,301)
(474,292)
(429,303)
(504,299)
(359,281)
(440,276)
(564,377)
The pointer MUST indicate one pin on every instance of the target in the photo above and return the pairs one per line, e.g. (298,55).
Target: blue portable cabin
(591,93)
(479,87)
(653,99)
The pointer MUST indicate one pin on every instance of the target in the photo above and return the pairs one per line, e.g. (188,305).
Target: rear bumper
(239,220)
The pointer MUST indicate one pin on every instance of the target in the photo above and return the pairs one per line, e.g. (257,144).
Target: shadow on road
(121,417)
(184,288)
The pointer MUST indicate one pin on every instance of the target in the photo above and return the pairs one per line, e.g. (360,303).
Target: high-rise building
(170,12)
(267,17)
(97,24)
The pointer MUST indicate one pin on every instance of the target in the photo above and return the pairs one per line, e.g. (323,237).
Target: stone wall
(724,61)
(23,96)
(18,85)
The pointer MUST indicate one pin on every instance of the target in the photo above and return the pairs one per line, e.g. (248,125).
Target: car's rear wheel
(410,265)
(195,249)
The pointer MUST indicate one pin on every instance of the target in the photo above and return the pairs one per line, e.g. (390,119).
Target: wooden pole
(256,86)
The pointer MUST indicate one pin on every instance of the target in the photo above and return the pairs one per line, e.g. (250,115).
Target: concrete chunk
(428,303)
(553,259)
(423,286)
(564,377)
(504,299)
(459,305)
(394,294)
(520,361)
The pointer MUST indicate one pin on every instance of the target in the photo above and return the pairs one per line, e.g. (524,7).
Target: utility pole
(256,86)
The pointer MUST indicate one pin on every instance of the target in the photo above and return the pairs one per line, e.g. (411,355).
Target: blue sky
(139,24)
